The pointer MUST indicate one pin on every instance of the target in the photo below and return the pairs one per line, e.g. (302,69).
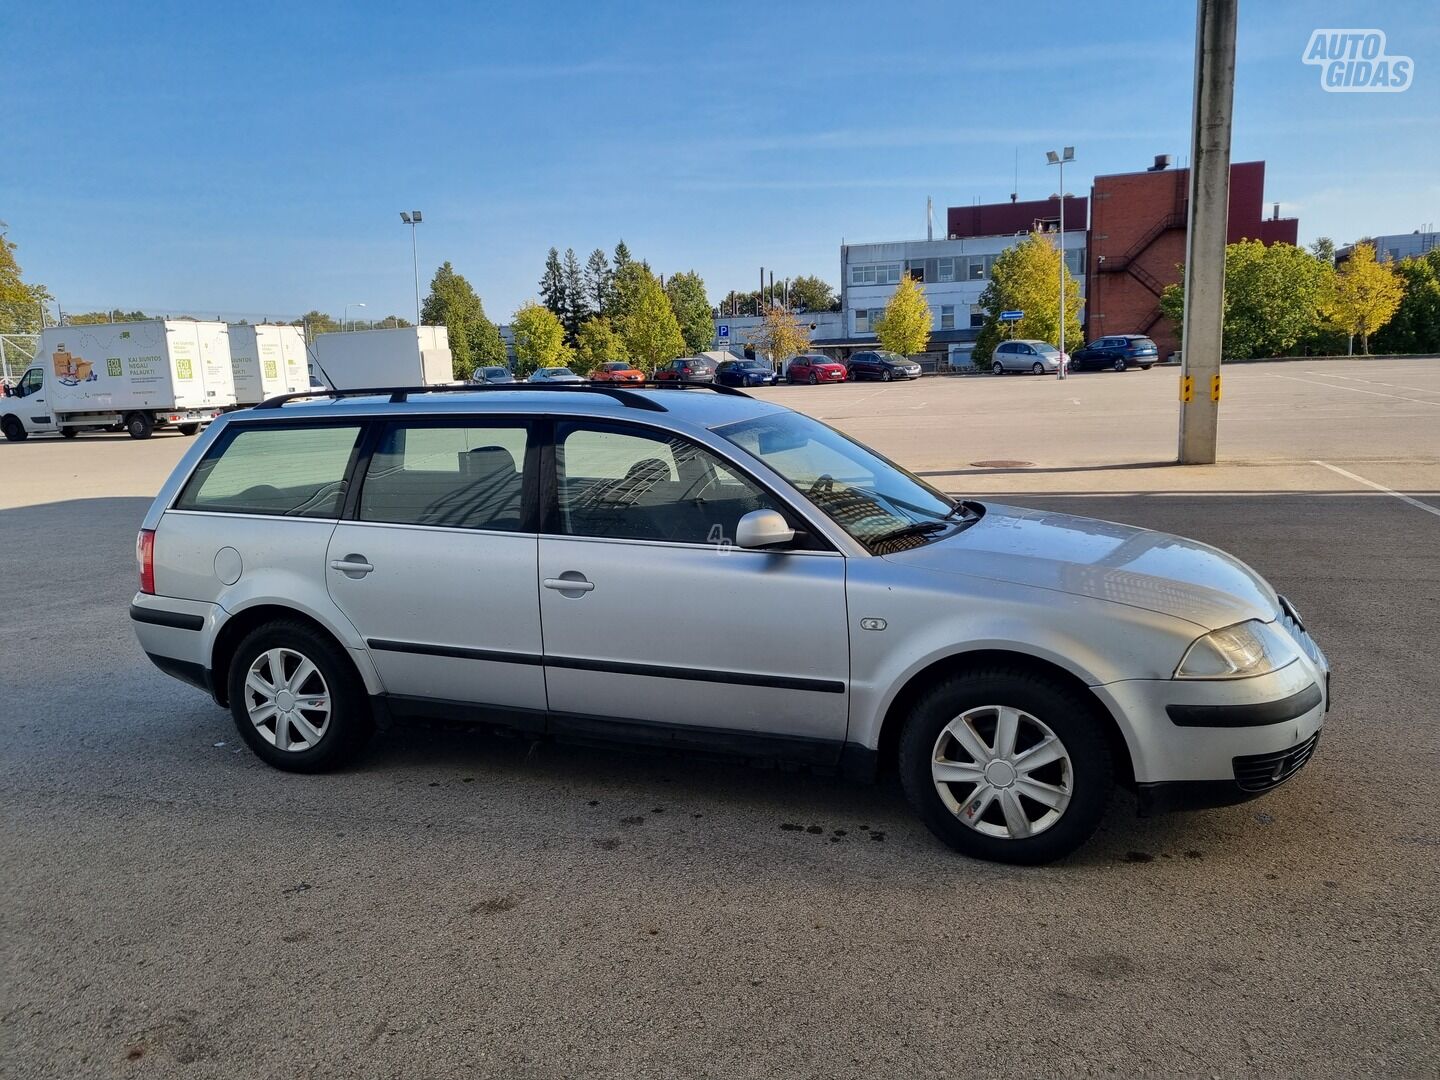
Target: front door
(650,614)
(34,409)
(437,569)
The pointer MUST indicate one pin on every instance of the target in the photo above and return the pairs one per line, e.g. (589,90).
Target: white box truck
(132,376)
(411,356)
(267,360)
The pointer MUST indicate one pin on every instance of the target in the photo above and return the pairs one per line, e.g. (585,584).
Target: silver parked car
(702,570)
(1036,357)
(554,375)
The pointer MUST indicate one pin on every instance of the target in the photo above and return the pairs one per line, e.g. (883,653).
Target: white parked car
(554,375)
(699,569)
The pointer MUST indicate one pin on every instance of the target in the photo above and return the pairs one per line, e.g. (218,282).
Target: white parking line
(1378,487)
(1373,382)
(1356,389)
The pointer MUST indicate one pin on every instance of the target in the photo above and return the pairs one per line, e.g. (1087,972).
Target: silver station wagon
(701,570)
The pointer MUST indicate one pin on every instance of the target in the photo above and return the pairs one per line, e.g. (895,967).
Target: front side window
(461,476)
(31,382)
(286,471)
(875,501)
(631,484)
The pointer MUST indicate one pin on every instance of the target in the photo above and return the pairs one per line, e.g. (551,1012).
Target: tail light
(145,556)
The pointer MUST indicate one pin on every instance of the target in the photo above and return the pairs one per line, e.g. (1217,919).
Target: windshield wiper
(918,528)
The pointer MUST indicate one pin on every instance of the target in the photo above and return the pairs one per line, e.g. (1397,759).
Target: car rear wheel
(1037,368)
(13,429)
(296,700)
(188,429)
(1007,765)
(997,368)
(139,425)
(1119,364)
(69,432)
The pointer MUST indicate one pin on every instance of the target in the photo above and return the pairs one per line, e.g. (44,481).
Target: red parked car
(814,368)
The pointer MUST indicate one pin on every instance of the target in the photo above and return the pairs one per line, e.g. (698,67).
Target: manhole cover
(1003,464)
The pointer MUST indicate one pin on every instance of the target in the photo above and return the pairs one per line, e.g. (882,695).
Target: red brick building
(1137,242)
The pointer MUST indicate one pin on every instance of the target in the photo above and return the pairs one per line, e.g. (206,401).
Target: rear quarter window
(284,471)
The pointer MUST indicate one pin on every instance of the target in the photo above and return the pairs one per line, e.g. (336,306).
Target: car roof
(702,408)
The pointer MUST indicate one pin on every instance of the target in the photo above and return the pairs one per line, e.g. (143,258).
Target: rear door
(435,563)
(652,615)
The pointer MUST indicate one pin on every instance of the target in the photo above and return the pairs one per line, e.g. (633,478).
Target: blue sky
(251,160)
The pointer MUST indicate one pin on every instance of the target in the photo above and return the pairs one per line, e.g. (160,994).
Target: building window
(1075,261)
(976,268)
(945,270)
(875,274)
(977,316)
(862,321)
(989,265)
(947,317)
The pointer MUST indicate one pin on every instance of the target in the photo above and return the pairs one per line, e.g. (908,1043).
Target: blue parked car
(745,373)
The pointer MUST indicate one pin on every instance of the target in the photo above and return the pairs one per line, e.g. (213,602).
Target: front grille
(1261,772)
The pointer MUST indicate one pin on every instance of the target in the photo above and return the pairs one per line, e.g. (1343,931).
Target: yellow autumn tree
(781,335)
(1365,295)
(905,326)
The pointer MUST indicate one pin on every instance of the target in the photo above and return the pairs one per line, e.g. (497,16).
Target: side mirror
(762,529)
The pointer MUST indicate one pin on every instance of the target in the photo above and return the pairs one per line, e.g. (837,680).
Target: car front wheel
(997,368)
(1037,368)
(296,700)
(13,429)
(1007,765)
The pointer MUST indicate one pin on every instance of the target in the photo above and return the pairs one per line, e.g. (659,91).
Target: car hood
(1085,557)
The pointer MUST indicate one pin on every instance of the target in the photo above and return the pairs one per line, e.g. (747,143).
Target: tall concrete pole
(1205,233)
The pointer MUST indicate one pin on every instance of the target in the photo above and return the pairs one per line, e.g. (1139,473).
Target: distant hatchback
(554,375)
(686,369)
(814,368)
(617,371)
(1117,353)
(1036,357)
(745,373)
(492,376)
(885,366)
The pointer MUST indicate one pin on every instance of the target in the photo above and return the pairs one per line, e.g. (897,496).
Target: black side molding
(455,652)
(157,617)
(1258,715)
(667,671)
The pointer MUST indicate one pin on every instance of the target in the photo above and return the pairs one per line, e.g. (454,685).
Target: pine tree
(692,310)
(622,256)
(598,282)
(577,305)
(552,284)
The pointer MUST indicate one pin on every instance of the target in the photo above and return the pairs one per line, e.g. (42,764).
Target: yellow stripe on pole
(1187,388)
(1214,387)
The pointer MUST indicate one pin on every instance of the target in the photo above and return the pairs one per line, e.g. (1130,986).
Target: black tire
(188,429)
(814,379)
(1037,368)
(1119,364)
(1065,711)
(886,376)
(13,429)
(140,425)
(69,432)
(351,722)
(1146,367)
(997,368)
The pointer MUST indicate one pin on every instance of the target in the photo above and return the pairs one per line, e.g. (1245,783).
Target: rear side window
(462,476)
(285,471)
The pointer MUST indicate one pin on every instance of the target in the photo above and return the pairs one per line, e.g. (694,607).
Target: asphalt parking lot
(465,905)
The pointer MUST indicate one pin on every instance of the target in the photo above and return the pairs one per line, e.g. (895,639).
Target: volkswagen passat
(702,570)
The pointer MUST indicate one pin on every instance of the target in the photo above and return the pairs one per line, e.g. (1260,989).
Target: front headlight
(1238,652)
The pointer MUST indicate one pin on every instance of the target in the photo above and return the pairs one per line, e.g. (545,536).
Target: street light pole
(1052,158)
(346,316)
(413,218)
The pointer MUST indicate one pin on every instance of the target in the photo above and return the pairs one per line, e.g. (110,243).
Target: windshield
(1045,350)
(870,498)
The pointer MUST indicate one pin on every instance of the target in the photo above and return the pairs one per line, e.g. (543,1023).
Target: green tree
(316,323)
(1416,325)
(552,284)
(692,310)
(539,338)
(597,344)
(780,336)
(809,293)
(1323,249)
(626,285)
(905,326)
(452,303)
(20,304)
(597,282)
(1026,278)
(1366,295)
(648,328)
(577,304)
(115,316)
(622,256)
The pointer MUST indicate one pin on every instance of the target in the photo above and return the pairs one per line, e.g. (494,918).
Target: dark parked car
(883,365)
(745,373)
(492,376)
(687,369)
(1117,352)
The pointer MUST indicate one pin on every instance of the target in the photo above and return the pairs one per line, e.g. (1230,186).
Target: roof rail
(624,395)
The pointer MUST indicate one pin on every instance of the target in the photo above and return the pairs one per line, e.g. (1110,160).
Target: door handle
(352,565)
(566,583)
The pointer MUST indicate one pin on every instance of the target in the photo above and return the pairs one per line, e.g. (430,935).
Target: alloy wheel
(1002,772)
(287,699)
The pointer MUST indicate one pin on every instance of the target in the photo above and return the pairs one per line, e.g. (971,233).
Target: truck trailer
(135,376)
(410,356)
(267,360)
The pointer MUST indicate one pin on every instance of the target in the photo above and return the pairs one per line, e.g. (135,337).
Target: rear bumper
(178,635)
